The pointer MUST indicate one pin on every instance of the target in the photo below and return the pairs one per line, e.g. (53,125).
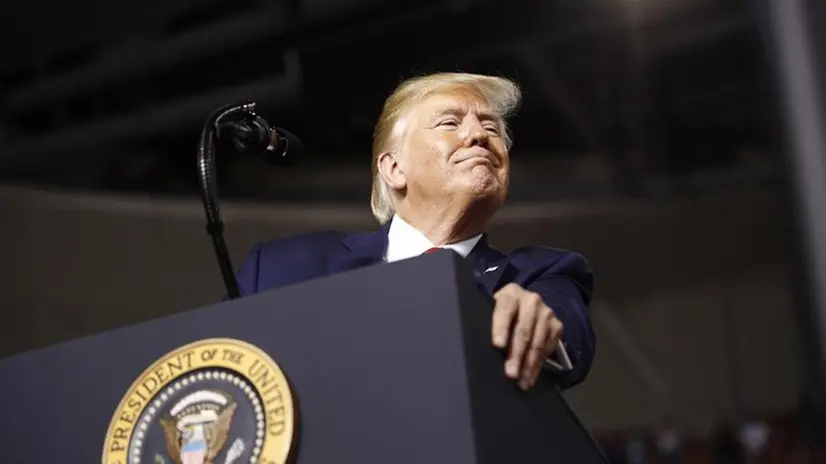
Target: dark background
(658,92)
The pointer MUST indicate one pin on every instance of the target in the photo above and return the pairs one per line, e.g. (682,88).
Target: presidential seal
(216,401)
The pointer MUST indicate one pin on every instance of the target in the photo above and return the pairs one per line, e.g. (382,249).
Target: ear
(391,172)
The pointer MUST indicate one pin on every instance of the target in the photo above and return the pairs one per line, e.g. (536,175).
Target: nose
(476,134)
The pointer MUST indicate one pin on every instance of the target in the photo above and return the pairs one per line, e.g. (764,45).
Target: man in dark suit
(440,172)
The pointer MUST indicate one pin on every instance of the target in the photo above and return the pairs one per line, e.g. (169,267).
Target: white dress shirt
(404,241)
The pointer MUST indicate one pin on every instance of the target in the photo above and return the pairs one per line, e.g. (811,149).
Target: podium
(390,363)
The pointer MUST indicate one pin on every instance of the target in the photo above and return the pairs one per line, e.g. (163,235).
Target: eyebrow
(456,111)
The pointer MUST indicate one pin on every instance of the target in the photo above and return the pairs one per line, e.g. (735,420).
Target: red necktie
(432,250)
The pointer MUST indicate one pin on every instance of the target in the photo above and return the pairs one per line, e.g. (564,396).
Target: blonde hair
(502,95)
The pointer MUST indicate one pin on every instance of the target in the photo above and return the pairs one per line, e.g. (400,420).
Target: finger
(503,315)
(555,333)
(557,330)
(521,338)
(537,349)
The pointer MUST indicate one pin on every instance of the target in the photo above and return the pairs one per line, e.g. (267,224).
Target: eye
(492,128)
(449,123)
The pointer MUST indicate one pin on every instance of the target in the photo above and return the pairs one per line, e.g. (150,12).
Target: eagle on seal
(199,431)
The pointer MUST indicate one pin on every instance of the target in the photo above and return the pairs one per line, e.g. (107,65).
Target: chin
(483,181)
(488,191)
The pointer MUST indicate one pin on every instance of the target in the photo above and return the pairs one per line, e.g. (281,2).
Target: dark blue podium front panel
(387,364)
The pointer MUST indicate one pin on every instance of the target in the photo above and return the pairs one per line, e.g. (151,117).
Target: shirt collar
(404,241)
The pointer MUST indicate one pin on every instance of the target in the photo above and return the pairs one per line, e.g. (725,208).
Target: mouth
(478,160)
(480,156)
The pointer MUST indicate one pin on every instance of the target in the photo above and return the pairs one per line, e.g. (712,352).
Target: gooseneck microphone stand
(209,188)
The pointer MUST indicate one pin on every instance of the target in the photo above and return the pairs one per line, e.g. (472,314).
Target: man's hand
(536,331)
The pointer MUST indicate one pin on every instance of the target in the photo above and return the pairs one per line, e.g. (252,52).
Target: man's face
(454,148)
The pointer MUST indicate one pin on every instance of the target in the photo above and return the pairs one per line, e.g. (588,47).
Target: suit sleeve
(566,287)
(247,275)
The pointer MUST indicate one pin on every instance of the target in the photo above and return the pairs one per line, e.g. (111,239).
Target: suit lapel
(494,267)
(360,250)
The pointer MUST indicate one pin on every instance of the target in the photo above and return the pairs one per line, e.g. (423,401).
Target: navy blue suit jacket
(562,278)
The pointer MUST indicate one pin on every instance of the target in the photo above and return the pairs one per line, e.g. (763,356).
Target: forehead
(460,100)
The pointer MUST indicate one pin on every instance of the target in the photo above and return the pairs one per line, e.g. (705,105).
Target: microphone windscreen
(286,148)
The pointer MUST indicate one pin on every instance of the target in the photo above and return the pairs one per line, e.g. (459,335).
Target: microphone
(256,136)
(250,134)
